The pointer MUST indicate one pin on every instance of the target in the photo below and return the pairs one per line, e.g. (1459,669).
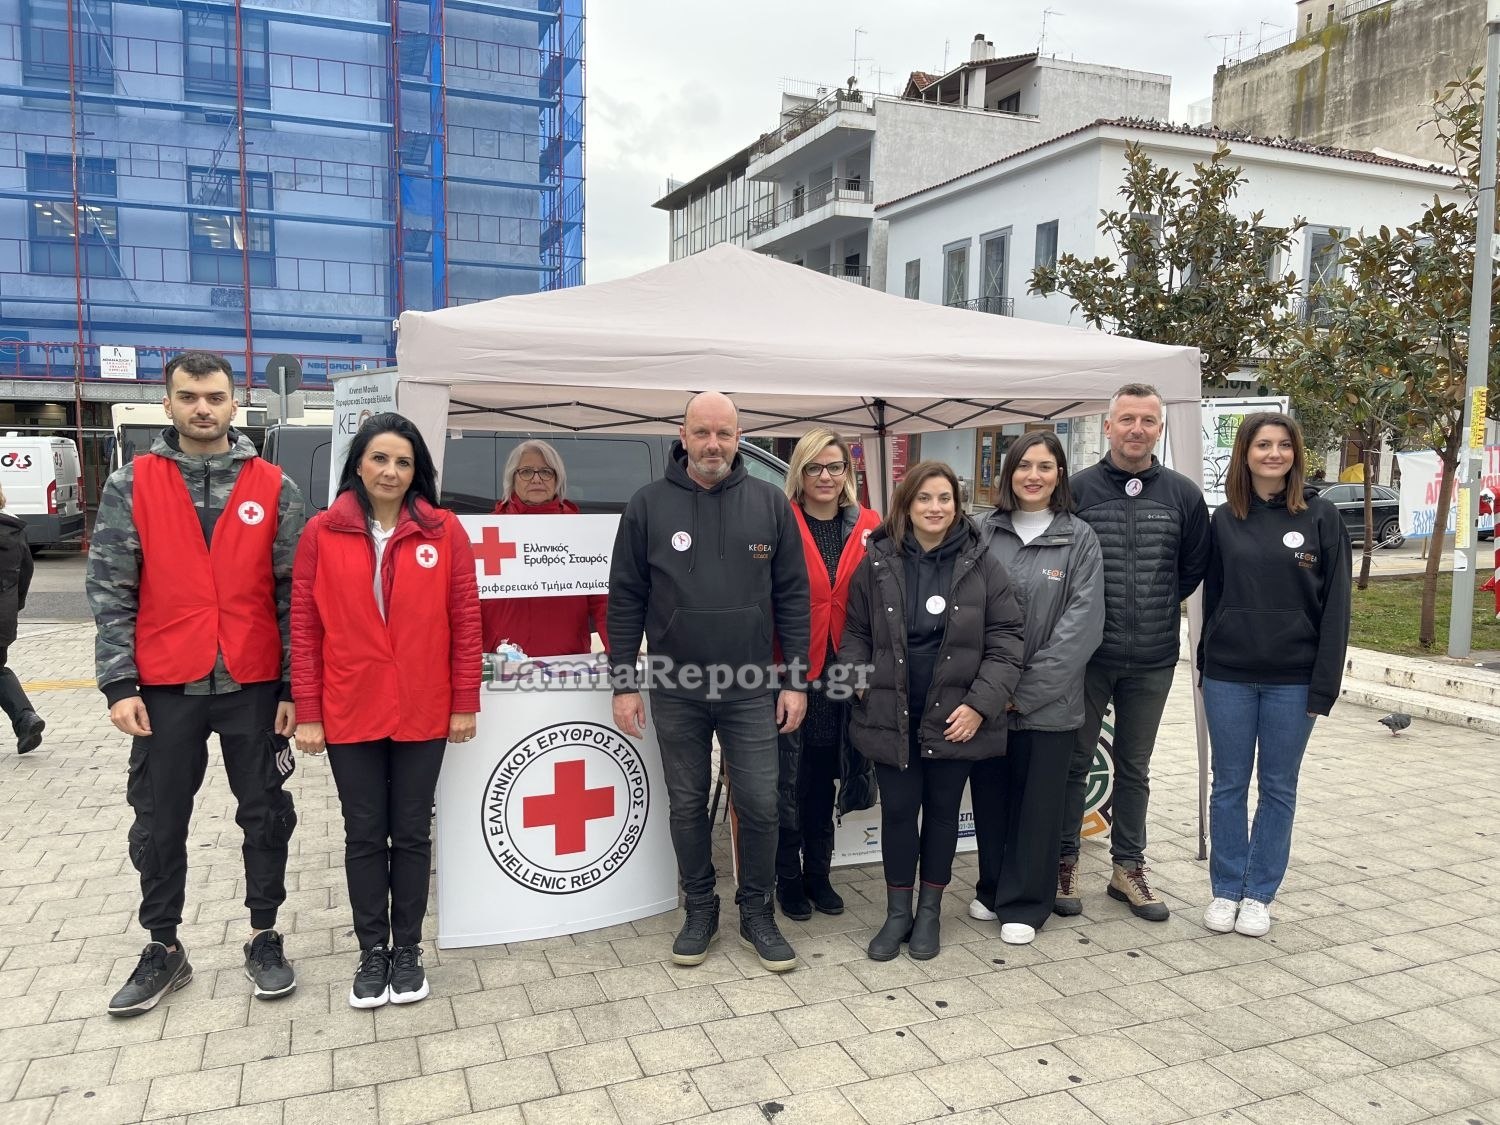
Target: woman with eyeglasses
(535,483)
(834,527)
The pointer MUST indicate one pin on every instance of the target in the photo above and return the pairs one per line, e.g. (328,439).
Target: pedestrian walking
(15,580)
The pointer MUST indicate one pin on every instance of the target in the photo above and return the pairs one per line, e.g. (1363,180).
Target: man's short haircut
(1135,390)
(199,365)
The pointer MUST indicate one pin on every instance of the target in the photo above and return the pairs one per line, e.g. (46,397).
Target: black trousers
(930,789)
(1018,816)
(166,771)
(804,844)
(386,789)
(12,696)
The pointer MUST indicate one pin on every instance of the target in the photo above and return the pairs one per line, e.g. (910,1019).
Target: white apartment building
(806,191)
(974,239)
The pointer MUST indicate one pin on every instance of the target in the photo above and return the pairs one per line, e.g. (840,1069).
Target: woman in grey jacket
(1056,571)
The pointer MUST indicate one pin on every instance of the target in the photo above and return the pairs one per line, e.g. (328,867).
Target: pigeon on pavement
(1396,722)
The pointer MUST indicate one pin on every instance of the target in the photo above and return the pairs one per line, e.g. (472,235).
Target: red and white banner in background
(1422,477)
(541,556)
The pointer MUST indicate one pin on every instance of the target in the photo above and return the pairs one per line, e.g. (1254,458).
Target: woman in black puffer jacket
(933,623)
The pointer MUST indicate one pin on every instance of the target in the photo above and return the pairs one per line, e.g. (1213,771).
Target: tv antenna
(1041,47)
(857,58)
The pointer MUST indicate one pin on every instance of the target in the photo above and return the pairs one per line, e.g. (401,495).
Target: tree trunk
(1367,555)
(1448,455)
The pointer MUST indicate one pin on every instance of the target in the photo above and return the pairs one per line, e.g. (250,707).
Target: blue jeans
(1264,727)
(747,740)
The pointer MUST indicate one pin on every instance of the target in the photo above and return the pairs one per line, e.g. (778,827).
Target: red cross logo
(427,555)
(568,808)
(252,513)
(491,551)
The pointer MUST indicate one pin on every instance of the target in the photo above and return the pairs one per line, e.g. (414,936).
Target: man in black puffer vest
(1152,525)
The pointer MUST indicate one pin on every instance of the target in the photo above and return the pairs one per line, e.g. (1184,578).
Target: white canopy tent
(794,347)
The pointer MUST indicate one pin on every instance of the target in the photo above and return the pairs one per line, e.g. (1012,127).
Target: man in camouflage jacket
(189,578)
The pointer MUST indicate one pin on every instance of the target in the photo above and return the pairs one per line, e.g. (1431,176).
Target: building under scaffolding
(270,177)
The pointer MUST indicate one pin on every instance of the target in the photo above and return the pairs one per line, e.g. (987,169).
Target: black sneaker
(266,966)
(372,980)
(699,929)
(157,973)
(408,981)
(29,732)
(758,932)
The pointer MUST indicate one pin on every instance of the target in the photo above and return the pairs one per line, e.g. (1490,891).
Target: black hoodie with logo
(709,576)
(1276,598)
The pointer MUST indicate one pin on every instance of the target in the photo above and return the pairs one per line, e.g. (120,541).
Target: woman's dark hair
(1238,487)
(1004,491)
(898,518)
(424,473)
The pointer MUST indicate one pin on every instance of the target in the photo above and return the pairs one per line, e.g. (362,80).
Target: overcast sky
(675,86)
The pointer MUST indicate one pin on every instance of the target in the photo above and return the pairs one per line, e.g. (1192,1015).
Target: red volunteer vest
(830,602)
(385,678)
(195,601)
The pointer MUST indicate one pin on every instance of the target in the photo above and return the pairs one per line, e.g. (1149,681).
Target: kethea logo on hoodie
(760,550)
(565,807)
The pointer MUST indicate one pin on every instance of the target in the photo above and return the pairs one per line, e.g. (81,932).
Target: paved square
(1376,997)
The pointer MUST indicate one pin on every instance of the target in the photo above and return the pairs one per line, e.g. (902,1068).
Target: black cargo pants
(166,771)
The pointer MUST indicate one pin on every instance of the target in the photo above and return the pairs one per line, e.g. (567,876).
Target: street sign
(284,373)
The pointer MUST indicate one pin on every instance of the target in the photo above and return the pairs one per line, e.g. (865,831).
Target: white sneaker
(1219,915)
(1017,933)
(980,912)
(1254,919)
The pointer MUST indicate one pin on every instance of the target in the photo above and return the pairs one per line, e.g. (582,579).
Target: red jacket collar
(345,514)
(514,506)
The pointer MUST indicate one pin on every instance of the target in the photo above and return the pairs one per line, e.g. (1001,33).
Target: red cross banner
(541,556)
(551,821)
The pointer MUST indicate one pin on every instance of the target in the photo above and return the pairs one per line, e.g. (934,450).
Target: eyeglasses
(546,476)
(834,469)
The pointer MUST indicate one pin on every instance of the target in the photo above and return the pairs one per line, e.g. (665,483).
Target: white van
(43,488)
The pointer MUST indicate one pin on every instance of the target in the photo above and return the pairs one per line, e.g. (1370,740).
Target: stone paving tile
(1375,998)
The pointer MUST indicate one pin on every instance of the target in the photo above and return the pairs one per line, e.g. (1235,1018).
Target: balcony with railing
(860,275)
(1001,306)
(804,119)
(850,198)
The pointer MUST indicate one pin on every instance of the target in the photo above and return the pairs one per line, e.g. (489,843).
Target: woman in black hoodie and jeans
(1276,607)
(933,621)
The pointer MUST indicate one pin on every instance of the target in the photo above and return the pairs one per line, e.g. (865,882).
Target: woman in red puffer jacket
(535,483)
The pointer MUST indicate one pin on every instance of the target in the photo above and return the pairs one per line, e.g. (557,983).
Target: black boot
(793,899)
(820,891)
(699,928)
(29,729)
(887,943)
(924,943)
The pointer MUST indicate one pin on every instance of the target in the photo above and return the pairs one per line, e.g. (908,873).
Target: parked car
(1385,507)
(604,470)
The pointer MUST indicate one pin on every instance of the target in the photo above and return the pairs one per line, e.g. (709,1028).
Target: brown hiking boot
(1128,884)
(1067,902)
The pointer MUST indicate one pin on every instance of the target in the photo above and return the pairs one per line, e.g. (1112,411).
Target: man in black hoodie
(708,565)
(1152,526)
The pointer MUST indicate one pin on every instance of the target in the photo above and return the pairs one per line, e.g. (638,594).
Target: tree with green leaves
(1187,270)
(1393,344)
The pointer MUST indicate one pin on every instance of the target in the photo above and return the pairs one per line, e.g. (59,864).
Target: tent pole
(885,455)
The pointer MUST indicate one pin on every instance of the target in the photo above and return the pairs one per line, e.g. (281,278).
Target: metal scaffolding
(255,178)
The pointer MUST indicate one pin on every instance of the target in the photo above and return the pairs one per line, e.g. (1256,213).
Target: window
(956,274)
(1324,249)
(914,279)
(996,259)
(46,41)
(1046,244)
(209,52)
(50,224)
(763,470)
(1011,103)
(216,239)
(1267,253)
